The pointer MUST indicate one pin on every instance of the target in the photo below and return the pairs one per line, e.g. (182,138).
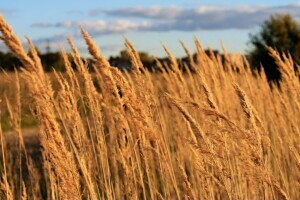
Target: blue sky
(146,23)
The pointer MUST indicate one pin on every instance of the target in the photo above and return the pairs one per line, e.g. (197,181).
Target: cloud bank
(98,27)
(157,18)
(163,19)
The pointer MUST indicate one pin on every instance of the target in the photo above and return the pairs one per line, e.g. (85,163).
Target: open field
(217,131)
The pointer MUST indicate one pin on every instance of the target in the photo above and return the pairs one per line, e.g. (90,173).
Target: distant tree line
(53,60)
(50,60)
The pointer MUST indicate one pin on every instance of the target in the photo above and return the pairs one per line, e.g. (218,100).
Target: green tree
(280,32)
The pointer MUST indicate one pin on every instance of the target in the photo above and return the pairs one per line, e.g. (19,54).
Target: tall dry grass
(218,131)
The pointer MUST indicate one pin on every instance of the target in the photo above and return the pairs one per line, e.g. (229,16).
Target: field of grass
(219,132)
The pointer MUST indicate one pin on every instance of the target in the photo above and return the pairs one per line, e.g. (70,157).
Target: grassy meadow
(216,131)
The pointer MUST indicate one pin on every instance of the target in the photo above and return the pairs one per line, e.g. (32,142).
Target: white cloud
(204,17)
(100,27)
(143,12)
(217,17)
(162,19)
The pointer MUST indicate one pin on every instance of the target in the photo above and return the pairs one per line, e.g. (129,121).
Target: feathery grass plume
(66,174)
(110,93)
(188,68)
(241,133)
(60,158)
(74,83)
(138,122)
(78,150)
(189,193)
(287,71)
(37,61)
(102,64)
(130,187)
(161,68)
(295,156)
(135,107)
(114,116)
(93,98)
(227,60)
(243,139)
(144,86)
(165,75)
(24,193)
(174,64)
(87,79)
(199,48)
(142,93)
(190,56)
(5,191)
(118,132)
(201,135)
(77,138)
(286,68)
(247,108)
(14,44)
(290,81)
(207,91)
(202,57)
(253,117)
(68,106)
(190,81)
(134,57)
(180,81)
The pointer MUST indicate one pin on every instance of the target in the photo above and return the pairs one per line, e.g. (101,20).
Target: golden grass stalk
(77,138)
(190,56)
(68,106)
(74,84)
(103,66)
(134,57)
(295,156)
(207,92)
(24,193)
(187,185)
(5,191)
(173,64)
(200,135)
(94,104)
(14,43)
(60,158)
